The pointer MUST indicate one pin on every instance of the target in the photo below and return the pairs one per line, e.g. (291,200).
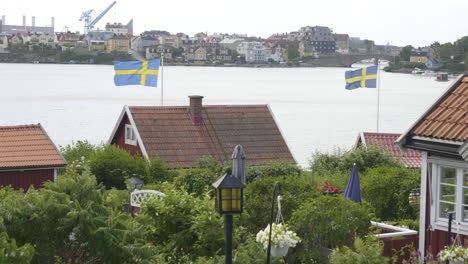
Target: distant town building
(231,44)
(221,53)
(170,41)
(342,43)
(119,43)
(317,40)
(117,28)
(256,52)
(196,54)
(155,52)
(419,55)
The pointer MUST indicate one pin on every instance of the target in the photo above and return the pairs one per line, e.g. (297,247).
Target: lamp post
(414,197)
(228,201)
(277,184)
(134,183)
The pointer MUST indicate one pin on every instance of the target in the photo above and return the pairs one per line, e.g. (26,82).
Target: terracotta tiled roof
(411,158)
(27,146)
(170,133)
(447,119)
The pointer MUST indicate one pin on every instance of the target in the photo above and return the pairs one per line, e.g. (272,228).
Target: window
(130,137)
(450,194)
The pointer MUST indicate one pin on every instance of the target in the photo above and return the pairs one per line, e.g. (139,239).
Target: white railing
(139,196)
(400,231)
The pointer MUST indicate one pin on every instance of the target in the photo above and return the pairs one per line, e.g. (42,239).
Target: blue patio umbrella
(353,190)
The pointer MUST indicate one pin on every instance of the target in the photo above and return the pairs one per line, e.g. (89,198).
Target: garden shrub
(258,196)
(181,225)
(158,171)
(326,222)
(211,164)
(387,190)
(273,169)
(77,150)
(112,165)
(196,181)
(69,222)
(367,250)
(365,157)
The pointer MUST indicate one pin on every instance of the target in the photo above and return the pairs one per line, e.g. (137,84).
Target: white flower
(280,236)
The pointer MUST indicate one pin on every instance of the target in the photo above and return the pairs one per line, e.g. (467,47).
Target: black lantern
(134,183)
(229,194)
(414,197)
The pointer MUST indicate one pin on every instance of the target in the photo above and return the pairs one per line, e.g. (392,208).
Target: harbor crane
(87,17)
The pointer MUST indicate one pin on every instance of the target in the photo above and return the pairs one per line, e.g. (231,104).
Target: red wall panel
(119,138)
(23,179)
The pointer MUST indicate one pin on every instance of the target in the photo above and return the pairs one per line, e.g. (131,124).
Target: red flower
(326,183)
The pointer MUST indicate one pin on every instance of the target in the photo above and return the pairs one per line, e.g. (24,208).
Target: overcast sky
(399,22)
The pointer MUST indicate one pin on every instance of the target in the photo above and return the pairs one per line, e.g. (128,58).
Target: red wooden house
(411,159)
(27,156)
(441,135)
(182,134)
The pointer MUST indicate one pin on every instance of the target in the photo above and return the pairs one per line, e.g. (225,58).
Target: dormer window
(130,137)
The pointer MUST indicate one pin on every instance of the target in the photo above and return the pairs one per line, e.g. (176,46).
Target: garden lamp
(134,183)
(414,197)
(228,201)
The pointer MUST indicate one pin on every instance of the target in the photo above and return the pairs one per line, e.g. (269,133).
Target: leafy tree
(258,195)
(326,221)
(69,221)
(405,52)
(196,181)
(211,164)
(365,157)
(273,169)
(387,190)
(112,165)
(182,225)
(366,250)
(158,171)
(77,151)
(12,253)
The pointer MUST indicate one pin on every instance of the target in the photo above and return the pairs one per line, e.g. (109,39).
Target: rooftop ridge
(28,126)
(187,106)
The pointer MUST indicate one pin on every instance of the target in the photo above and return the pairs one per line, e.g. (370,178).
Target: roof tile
(170,133)
(448,119)
(27,146)
(411,158)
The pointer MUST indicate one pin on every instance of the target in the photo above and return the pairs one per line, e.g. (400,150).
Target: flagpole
(378,93)
(162,79)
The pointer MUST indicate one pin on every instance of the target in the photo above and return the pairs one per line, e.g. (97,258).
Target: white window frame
(130,138)
(458,226)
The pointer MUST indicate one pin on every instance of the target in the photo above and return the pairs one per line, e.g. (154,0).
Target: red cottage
(441,135)
(411,159)
(27,156)
(182,134)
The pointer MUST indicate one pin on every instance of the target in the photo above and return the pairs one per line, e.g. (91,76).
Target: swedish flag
(365,77)
(136,73)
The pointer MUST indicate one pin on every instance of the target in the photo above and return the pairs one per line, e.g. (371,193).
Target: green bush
(273,169)
(196,181)
(258,196)
(365,157)
(387,190)
(70,222)
(112,165)
(181,225)
(77,151)
(327,222)
(368,250)
(211,164)
(158,171)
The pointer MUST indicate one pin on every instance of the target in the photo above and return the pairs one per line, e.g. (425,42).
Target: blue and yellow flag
(136,73)
(365,77)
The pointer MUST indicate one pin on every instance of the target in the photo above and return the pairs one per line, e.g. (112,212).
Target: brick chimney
(196,109)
